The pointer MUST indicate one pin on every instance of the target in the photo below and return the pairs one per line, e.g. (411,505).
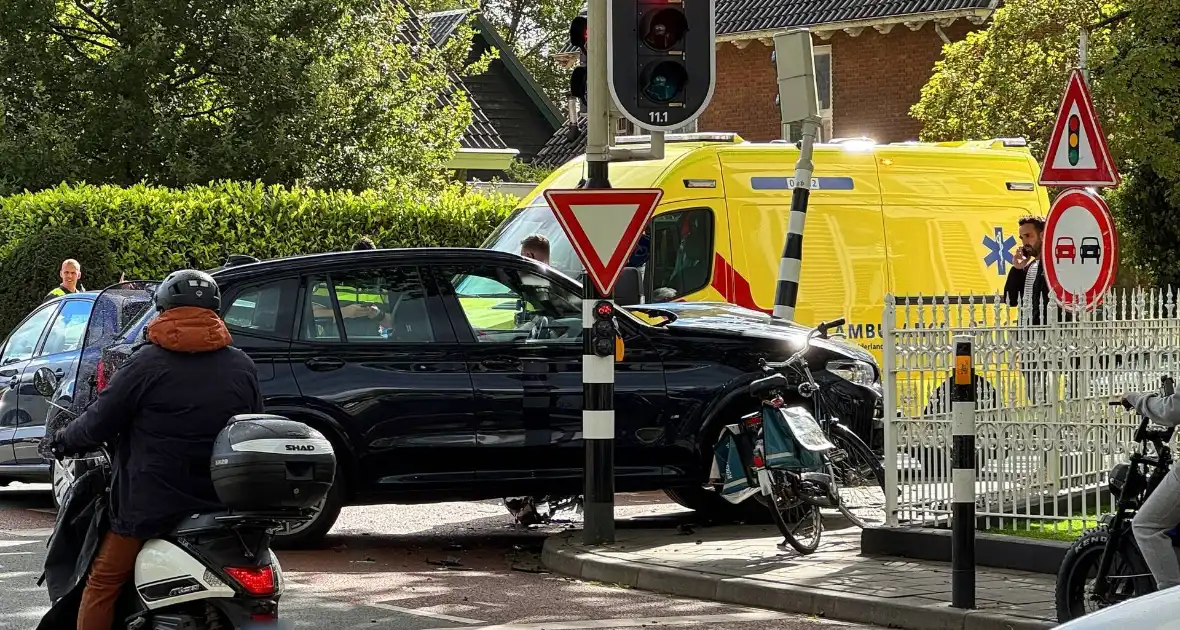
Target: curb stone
(562,556)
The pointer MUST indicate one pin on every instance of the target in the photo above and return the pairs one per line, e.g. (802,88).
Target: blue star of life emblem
(999,250)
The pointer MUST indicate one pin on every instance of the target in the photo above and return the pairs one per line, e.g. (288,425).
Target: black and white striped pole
(963,476)
(798,101)
(599,334)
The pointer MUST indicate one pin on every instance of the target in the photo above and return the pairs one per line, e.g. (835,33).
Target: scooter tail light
(753,421)
(758,461)
(256,580)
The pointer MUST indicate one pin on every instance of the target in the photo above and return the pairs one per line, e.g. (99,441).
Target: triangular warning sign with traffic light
(1077,154)
(603,225)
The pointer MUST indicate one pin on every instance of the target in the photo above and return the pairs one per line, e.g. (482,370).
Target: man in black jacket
(1026,286)
(162,412)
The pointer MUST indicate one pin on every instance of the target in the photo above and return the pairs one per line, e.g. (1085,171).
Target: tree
(535,30)
(1007,80)
(333,93)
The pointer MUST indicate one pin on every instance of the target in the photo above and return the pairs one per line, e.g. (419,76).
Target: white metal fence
(1045,433)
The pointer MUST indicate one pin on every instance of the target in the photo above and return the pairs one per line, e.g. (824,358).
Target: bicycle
(789,461)
(857,472)
(1109,551)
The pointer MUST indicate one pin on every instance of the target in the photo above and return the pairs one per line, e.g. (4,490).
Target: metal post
(798,100)
(1083,52)
(963,476)
(598,373)
(787,293)
(889,382)
(597,97)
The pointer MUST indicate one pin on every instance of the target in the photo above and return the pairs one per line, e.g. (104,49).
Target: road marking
(16,553)
(593,624)
(27,533)
(16,543)
(424,613)
(301,590)
(15,574)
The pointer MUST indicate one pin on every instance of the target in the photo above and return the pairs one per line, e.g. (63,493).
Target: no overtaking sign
(1080,249)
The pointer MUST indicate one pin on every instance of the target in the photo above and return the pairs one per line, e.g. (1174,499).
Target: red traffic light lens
(579,33)
(664,28)
(604,310)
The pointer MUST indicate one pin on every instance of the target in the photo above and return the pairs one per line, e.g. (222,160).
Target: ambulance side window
(681,253)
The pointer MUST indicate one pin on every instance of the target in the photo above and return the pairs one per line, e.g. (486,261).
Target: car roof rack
(235,260)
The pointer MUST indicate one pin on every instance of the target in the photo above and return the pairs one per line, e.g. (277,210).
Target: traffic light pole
(598,372)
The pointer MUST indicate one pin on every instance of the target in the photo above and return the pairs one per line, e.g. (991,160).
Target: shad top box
(264,462)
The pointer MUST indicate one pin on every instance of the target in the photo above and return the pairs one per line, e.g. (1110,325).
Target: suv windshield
(539,219)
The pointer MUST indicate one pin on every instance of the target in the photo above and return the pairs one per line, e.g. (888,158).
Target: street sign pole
(598,372)
(603,225)
(798,100)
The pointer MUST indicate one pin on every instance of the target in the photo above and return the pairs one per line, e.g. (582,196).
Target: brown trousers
(113,567)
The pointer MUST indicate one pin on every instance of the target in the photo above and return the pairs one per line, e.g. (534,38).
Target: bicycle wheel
(859,477)
(800,523)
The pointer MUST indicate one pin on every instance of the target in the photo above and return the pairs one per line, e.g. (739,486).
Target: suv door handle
(500,364)
(324,364)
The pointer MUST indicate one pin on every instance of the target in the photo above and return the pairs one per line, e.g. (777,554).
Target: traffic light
(578,35)
(1075,125)
(602,335)
(661,60)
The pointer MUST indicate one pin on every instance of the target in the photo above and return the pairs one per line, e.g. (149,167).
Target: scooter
(214,571)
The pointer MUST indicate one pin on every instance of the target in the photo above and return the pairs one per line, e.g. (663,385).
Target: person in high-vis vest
(71,273)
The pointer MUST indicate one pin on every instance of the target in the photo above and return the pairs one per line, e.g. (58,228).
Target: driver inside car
(160,415)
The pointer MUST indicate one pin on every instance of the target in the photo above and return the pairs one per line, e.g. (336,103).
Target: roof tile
(744,16)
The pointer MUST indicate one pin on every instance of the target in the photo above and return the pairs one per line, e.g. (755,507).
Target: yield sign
(603,225)
(1077,154)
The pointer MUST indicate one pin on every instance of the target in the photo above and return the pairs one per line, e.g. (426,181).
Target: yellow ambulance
(911,219)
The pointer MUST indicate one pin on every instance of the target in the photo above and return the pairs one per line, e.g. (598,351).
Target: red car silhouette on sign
(1065,248)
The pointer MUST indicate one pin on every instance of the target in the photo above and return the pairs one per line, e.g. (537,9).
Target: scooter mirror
(45,381)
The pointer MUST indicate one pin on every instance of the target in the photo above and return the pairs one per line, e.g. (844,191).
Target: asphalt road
(448,565)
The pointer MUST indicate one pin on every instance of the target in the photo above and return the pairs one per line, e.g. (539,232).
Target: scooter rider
(1161,511)
(160,414)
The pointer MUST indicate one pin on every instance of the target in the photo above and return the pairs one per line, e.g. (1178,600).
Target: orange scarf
(189,329)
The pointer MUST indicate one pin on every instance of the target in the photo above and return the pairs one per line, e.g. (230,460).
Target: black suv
(454,375)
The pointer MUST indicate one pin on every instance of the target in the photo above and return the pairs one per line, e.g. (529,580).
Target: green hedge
(147,232)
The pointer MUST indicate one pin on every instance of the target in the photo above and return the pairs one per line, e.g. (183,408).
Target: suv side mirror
(628,289)
(45,382)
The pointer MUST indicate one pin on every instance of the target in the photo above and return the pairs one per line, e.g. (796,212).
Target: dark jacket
(166,409)
(81,524)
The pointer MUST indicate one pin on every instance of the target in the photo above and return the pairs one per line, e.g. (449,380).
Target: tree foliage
(536,30)
(331,93)
(1007,80)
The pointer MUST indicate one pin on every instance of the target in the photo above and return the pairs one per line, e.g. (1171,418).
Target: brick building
(872,58)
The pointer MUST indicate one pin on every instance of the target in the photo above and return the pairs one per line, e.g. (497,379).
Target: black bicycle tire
(854,442)
(784,528)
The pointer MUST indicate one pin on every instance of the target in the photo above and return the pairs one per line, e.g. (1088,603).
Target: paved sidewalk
(741,565)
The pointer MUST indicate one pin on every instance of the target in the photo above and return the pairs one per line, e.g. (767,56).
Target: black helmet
(188,287)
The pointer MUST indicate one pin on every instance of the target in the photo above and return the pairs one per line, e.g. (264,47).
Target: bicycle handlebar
(1143,434)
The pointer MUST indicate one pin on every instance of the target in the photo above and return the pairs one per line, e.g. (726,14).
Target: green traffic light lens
(664,28)
(664,81)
